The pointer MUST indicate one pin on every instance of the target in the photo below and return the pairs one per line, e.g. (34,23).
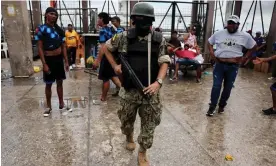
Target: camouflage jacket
(119,43)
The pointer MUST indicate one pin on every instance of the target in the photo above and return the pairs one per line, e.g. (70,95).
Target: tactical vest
(137,57)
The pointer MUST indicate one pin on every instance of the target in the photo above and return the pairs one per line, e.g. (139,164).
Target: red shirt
(185,54)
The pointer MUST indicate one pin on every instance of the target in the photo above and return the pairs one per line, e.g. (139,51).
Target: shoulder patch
(114,37)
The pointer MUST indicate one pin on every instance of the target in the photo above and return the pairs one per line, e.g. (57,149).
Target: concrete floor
(90,135)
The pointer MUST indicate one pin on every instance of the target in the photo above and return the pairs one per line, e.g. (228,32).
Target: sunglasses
(231,23)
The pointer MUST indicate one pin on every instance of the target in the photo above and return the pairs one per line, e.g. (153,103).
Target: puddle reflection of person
(52,52)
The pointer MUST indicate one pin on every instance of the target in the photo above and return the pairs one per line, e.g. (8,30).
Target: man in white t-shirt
(229,44)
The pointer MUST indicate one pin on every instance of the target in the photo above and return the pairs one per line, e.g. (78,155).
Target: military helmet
(143,9)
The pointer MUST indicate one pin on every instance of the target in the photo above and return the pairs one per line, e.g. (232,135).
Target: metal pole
(254,15)
(41,13)
(76,11)
(232,9)
(80,15)
(208,26)
(103,5)
(271,37)
(247,15)
(60,15)
(181,17)
(67,11)
(204,16)
(31,17)
(127,19)
(113,7)
(221,14)
(214,26)
(173,16)
(238,7)
(194,12)
(108,7)
(85,16)
(165,15)
(36,13)
(261,10)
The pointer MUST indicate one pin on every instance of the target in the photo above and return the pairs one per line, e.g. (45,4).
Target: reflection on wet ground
(90,134)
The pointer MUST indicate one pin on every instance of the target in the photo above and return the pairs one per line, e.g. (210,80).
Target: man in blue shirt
(116,22)
(260,45)
(106,72)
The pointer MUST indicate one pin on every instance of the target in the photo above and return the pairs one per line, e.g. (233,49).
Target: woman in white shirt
(191,38)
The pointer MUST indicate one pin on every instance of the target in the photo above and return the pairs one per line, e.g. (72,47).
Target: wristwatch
(160,81)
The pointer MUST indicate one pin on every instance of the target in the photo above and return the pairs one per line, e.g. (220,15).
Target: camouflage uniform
(132,101)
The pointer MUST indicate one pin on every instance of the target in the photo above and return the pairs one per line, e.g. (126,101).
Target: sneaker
(70,67)
(221,110)
(115,94)
(269,111)
(99,102)
(73,65)
(47,112)
(61,107)
(271,78)
(211,111)
(198,81)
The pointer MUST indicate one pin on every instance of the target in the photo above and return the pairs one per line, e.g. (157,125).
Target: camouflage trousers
(150,119)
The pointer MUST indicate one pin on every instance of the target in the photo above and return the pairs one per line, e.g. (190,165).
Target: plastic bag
(199,58)
(112,85)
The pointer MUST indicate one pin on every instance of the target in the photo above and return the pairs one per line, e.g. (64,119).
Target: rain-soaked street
(90,134)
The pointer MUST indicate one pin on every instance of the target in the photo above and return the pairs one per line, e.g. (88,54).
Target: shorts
(273,86)
(257,54)
(185,61)
(56,67)
(106,71)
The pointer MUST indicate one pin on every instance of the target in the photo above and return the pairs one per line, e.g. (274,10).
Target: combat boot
(142,158)
(130,142)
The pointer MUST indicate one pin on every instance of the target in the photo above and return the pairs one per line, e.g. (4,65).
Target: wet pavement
(90,134)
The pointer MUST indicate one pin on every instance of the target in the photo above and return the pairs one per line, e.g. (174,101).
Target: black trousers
(71,53)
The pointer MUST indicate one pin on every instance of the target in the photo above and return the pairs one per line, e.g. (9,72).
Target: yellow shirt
(71,38)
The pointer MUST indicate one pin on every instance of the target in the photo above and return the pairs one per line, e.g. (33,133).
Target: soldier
(134,43)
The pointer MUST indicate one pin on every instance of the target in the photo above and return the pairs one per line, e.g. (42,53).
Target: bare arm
(258,48)
(40,52)
(109,57)
(197,50)
(250,51)
(163,71)
(270,58)
(64,49)
(211,50)
(101,53)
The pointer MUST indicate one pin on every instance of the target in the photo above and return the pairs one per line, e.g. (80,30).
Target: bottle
(82,62)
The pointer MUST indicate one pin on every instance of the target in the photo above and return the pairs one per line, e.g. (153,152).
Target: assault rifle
(135,80)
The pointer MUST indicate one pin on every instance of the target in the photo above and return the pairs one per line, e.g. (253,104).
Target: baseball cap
(234,18)
(258,32)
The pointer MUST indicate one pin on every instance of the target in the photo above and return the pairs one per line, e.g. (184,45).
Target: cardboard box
(258,67)
(265,67)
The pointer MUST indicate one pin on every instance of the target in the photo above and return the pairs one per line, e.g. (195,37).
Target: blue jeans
(227,73)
